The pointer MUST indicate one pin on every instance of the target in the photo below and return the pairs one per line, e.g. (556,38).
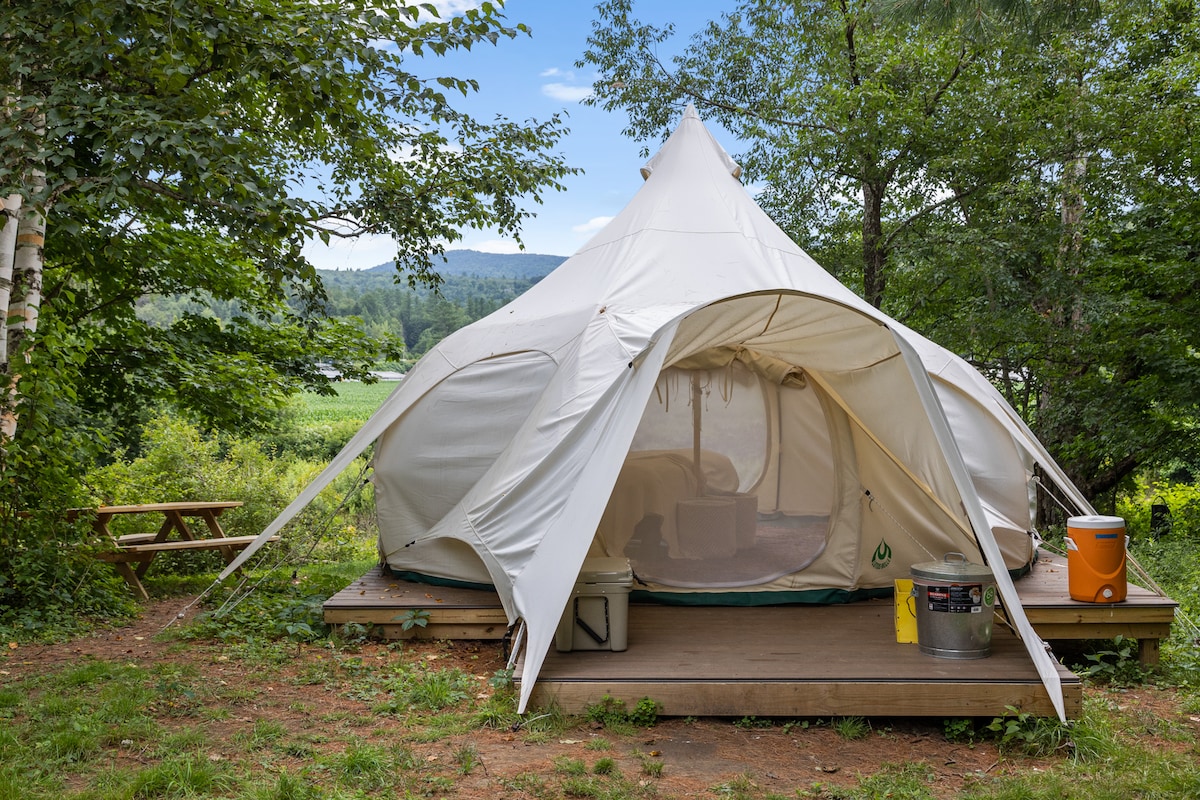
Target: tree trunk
(22,292)
(25,299)
(8,249)
(28,262)
(874,254)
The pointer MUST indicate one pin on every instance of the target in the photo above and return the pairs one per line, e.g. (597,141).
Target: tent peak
(690,124)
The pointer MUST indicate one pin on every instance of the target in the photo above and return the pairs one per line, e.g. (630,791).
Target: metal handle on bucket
(962,559)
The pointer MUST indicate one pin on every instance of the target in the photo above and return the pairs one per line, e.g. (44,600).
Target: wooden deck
(794,661)
(1142,615)
(784,660)
(383,602)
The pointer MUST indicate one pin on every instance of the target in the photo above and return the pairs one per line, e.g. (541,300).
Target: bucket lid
(1095,522)
(952,567)
(606,570)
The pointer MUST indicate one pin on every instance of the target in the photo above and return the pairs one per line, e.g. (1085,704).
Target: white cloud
(450,8)
(363,252)
(561,91)
(553,72)
(592,225)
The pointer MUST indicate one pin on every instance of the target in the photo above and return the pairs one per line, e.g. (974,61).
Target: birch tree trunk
(8,250)
(23,291)
(26,297)
(11,211)
(20,284)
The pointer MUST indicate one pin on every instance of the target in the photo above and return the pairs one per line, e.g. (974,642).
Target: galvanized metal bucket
(955,601)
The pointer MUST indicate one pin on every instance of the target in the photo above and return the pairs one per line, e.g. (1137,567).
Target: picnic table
(174,534)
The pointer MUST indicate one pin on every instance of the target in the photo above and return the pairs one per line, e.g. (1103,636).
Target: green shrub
(1115,665)
(50,583)
(179,462)
(1031,734)
(959,729)
(275,610)
(1181,499)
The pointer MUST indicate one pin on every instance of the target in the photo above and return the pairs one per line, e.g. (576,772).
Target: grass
(359,720)
(114,730)
(851,727)
(354,402)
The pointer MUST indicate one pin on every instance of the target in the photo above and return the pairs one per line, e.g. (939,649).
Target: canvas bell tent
(691,391)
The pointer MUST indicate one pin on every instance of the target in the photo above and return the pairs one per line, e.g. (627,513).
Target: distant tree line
(421,317)
(376,304)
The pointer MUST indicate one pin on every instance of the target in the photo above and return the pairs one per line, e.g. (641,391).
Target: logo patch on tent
(883,555)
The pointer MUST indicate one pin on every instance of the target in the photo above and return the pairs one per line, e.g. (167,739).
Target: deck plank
(794,661)
(383,601)
(775,643)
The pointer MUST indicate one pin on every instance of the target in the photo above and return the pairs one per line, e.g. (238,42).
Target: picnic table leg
(132,578)
(210,518)
(175,520)
(161,536)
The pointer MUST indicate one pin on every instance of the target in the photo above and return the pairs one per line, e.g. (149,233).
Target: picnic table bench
(174,535)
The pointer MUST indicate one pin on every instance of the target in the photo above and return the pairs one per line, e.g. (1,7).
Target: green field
(355,401)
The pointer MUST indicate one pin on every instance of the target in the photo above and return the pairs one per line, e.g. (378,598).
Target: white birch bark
(28,263)
(8,249)
(24,292)
(25,299)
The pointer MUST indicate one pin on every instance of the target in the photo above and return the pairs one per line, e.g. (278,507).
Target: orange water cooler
(1096,559)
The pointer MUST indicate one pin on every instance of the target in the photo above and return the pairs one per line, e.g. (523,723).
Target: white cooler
(597,615)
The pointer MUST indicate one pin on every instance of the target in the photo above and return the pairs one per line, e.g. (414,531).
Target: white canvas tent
(691,348)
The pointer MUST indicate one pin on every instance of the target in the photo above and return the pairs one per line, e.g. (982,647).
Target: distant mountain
(474,285)
(486,265)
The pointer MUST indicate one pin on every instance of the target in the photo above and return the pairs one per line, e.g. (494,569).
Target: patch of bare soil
(309,697)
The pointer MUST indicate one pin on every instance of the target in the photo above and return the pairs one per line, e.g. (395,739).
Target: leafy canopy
(193,148)
(1022,190)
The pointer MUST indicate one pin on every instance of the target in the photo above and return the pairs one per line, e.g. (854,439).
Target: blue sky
(535,76)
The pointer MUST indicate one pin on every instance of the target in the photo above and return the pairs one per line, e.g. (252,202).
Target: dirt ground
(699,757)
